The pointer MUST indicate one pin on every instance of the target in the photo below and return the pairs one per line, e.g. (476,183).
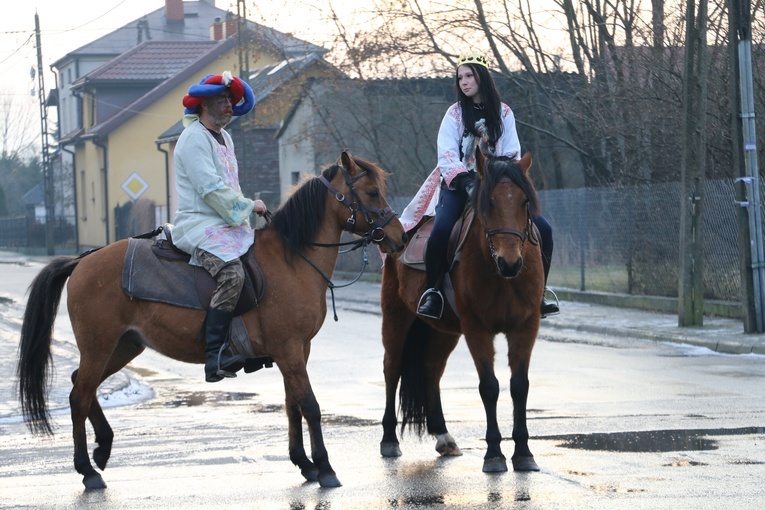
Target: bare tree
(19,127)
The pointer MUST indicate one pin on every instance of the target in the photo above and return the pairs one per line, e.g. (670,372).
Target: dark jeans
(448,210)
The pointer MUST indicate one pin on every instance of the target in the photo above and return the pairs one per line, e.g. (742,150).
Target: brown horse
(297,253)
(498,285)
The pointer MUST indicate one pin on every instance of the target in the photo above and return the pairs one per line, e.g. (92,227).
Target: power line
(96,18)
(18,49)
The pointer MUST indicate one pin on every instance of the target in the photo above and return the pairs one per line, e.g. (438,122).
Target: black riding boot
(547,308)
(219,362)
(432,300)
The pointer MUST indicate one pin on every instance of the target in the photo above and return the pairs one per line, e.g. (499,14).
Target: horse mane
(300,217)
(504,166)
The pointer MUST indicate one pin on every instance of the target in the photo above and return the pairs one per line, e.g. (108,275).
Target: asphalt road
(616,422)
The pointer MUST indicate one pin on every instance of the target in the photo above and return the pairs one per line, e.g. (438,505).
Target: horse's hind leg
(84,404)
(86,380)
(440,348)
(127,349)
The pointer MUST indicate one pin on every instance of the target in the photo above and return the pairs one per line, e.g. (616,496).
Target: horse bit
(376,232)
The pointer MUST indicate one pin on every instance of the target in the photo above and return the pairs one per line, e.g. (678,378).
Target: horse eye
(374,194)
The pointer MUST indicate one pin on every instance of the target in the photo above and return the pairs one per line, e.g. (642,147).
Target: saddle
(156,270)
(414,254)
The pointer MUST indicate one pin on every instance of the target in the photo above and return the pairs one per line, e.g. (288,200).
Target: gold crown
(473,58)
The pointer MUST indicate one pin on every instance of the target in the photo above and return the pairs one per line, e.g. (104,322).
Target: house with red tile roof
(120,161)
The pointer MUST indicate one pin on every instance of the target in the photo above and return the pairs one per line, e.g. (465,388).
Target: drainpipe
(106,184)
(76,204)
(167,177)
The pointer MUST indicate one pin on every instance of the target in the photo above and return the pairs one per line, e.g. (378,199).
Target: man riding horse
(212,222)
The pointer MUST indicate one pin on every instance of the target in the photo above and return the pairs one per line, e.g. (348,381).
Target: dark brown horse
(498,284)
(297,253)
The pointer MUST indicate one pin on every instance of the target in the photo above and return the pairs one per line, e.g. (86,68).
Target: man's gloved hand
(464,181)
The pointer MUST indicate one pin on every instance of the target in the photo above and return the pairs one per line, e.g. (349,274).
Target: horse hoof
(390,450)
(329,480)
(94,481)
(101,457)
(525,464)
(311,475)
(495,465)
(447,446)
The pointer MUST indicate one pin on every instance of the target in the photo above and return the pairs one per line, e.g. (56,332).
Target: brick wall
(174,10)
(257,153)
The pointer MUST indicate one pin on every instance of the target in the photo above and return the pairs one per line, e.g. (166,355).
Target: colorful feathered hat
(242,96)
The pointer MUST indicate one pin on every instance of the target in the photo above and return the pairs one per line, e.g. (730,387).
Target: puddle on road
(349,421)
(198,398)
(651,440)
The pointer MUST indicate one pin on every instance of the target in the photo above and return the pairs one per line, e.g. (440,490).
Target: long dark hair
(490,99)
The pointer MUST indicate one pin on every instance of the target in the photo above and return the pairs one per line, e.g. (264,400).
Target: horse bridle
(527,233)
(376,232)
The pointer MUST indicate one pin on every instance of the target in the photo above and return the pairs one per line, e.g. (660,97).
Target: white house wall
(297,154)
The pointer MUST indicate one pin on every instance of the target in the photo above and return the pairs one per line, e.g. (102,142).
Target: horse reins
(375,234)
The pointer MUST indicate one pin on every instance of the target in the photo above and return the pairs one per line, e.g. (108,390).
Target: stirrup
(424,296)
(235,360)
(557,302)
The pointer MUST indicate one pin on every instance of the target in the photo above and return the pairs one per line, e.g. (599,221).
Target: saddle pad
(414,254)
(147,277)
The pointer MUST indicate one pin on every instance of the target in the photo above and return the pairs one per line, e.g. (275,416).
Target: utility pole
(752,259)
(244,74)
(691,286)
(46,166)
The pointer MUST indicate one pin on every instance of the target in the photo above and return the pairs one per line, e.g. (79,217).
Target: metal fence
(25,232)
(626,239)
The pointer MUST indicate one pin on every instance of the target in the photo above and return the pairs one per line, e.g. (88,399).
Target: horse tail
(36,336)
(413,391)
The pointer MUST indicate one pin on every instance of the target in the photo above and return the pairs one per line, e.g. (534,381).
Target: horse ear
(525,162)
(346,161)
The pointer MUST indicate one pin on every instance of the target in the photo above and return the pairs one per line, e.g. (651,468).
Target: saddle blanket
(148,277)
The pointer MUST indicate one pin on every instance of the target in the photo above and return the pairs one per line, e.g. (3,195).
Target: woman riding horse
(478,113)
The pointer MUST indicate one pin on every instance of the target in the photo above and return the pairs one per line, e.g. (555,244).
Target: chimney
(216,30)
(230,26)
(174,11)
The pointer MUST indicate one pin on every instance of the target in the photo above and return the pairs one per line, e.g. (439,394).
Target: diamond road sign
(135,186)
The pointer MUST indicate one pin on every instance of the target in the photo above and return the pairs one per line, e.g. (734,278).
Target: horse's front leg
(520,356)
(302,401)
(389,446)
(481,347)
(396,320)
(296,449)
